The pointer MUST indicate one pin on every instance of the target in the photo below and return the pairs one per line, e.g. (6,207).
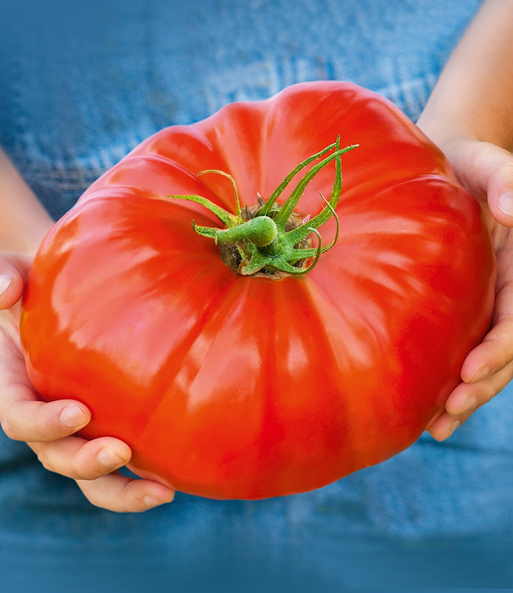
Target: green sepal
(288,207)
(277,192)
(230,220)
(298,234)
(260,238)
(205,231)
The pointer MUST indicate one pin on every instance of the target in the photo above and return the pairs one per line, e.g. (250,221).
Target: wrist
(447,127)
(24,219)
(473,97)
(24,239)
(447,135)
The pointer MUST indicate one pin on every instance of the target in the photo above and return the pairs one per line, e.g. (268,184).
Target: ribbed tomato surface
(228,386)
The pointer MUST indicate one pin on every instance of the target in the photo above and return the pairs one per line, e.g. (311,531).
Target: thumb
(486,170)
(13,271)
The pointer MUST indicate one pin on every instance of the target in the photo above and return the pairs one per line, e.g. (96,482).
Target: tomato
(229,384)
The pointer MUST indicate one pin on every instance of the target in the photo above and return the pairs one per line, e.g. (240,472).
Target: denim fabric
(80,86)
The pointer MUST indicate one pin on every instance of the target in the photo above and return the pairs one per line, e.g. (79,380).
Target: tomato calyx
(271,239)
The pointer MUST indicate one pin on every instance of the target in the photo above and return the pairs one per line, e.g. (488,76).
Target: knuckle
(20,426)
(39,431)
(503,171)
(87,474)
(81,468)
(9,429)
(490,393)
(501,352)
(46,461)
(96,499)
(89,494)
(51,459)
(9,424)
(506,171)
(74,470)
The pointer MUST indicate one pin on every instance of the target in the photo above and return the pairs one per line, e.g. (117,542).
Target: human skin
(48,427)
(469,115)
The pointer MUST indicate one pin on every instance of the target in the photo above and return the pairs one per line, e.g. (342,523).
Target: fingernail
(506,203)
(454,426)
(470,404)
(108,458)
(150,501)
(481,374)
(72,416)
(5,282)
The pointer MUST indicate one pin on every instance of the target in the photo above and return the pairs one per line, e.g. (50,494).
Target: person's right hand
(48,428)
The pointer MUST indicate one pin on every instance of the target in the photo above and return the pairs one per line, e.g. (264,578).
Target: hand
(486,170)
(48,427)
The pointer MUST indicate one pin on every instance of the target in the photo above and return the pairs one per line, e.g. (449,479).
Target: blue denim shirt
(80,86)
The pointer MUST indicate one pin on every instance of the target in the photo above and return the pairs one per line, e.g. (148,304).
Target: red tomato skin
(227,386)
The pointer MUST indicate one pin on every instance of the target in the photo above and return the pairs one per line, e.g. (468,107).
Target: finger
(443,427)
(500,191)
(496,350)
(466,399)
(30,420)
(81,459)
(486,169)
(492,355)
(125,495)
(24,417)
(12,274)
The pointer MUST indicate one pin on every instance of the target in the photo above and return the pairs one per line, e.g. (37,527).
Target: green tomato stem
(264,240)
(260,231)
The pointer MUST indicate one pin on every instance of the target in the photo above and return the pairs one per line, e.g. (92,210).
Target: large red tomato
(231,385)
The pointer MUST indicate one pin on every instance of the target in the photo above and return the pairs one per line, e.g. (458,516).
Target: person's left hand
(50,429)
(486,171)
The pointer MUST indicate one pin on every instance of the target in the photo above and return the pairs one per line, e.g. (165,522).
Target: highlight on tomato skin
(256,307)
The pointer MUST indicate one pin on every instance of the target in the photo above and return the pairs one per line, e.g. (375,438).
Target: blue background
(80,86)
